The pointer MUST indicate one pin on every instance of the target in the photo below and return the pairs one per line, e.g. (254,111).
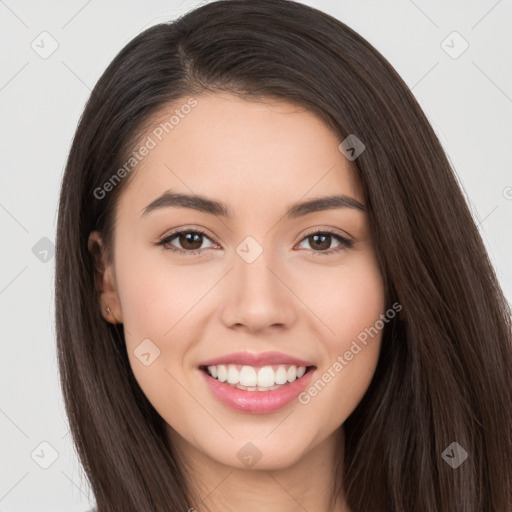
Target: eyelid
(346,241)
(187,228)
(164,240)
(326,229)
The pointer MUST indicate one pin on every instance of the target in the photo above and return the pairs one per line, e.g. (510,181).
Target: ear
(104,279)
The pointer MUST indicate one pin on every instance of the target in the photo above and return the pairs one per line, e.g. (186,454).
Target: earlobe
(104,280)
(111,318)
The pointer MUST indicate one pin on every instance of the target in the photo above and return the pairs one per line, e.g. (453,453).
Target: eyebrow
(171,199)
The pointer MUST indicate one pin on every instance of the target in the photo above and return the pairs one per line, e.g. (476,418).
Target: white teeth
(249,378)
(222,373)
(266,377)
(280,377)
(233,375)
(291,374)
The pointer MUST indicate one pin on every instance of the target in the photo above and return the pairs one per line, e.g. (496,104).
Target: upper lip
(256,359)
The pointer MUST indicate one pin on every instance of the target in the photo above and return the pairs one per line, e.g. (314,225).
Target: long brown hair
(443,375)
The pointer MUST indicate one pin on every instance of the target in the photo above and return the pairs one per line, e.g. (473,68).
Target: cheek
(156,302)
(156,294)
(351,306)
(347,300)
(359,324)
(359,304)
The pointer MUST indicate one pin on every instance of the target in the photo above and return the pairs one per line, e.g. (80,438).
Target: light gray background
(467,99)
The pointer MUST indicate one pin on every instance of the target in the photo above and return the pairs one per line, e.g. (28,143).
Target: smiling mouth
(253,378)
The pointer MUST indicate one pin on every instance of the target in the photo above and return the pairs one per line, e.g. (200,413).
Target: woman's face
(269,293)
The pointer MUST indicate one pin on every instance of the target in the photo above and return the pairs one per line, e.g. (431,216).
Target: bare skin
(297,297)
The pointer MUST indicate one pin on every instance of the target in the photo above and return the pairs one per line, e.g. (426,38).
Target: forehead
(252,154)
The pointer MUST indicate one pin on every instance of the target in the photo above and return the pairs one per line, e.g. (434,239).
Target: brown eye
(320,242)
(189,241)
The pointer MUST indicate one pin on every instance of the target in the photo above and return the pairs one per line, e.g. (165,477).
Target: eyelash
(345,243)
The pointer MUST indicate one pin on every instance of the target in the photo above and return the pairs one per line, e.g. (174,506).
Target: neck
(308,484)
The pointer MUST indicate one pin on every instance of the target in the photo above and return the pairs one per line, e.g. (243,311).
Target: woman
(270,291)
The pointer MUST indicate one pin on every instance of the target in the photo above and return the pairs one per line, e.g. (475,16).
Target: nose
(258,297)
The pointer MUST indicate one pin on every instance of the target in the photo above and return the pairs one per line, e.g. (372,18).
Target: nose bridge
(257,297)
(252,267)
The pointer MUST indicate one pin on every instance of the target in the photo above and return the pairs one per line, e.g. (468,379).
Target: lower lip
(257,402)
